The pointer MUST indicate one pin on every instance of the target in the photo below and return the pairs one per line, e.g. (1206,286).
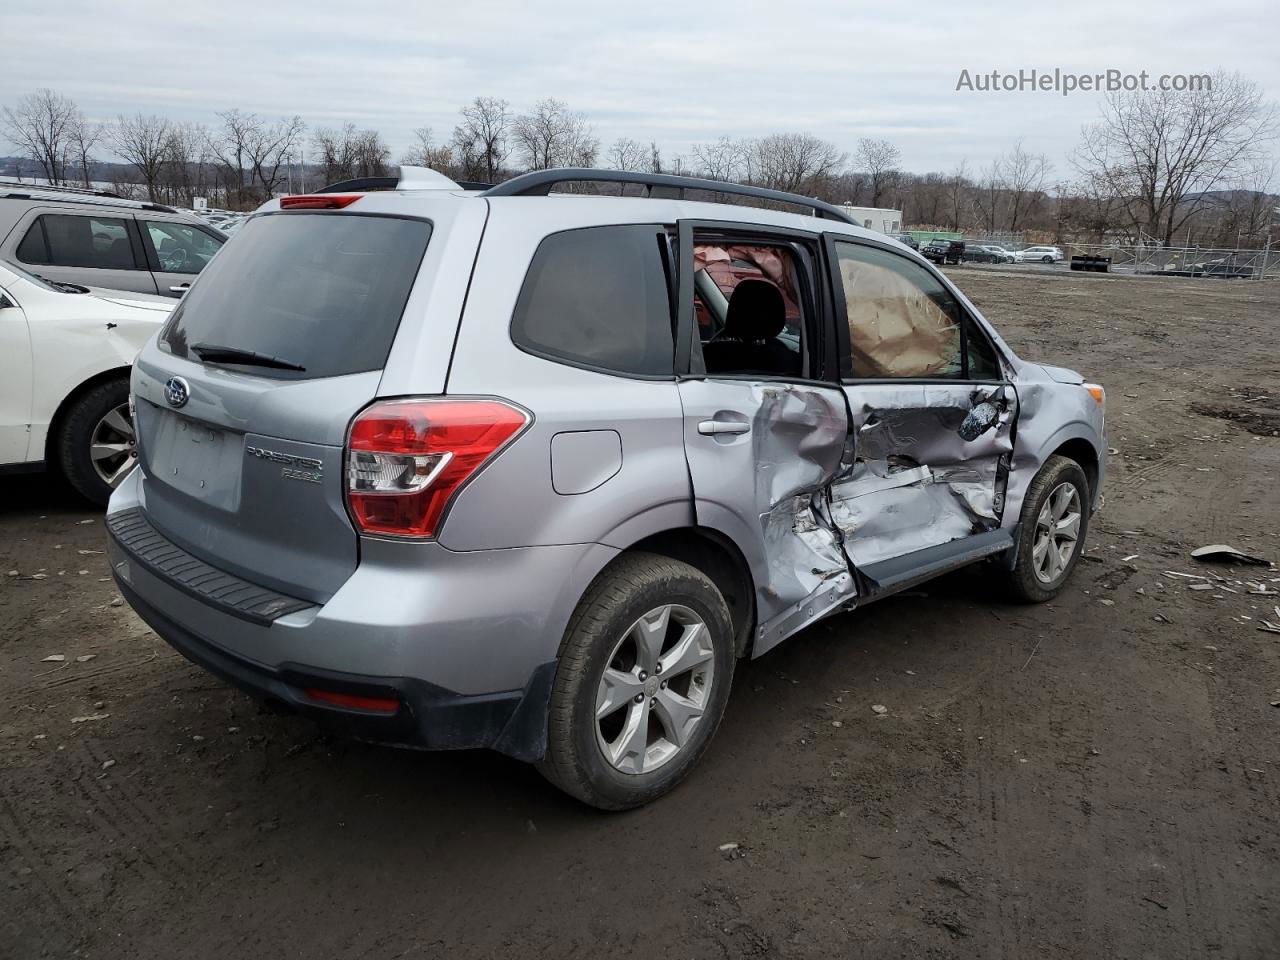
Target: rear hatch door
(244,400)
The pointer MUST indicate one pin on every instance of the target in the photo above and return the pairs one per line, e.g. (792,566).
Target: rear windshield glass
(319,291)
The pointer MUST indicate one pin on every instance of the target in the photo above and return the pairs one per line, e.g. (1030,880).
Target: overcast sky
(677,73)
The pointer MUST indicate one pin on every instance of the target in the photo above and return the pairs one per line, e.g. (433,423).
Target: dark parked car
(979,254)
(909,240)
(943,251)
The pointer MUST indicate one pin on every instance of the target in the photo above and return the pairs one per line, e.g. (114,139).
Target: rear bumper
(466,641)
(429,717)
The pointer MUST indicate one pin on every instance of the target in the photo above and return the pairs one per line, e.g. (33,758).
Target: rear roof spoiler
(411,178)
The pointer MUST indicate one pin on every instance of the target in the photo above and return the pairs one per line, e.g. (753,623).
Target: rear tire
(605,746)
(1054,527)
(95,443)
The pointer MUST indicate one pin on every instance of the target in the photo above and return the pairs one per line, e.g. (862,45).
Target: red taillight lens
(319,201)
(407,458)
(352,702)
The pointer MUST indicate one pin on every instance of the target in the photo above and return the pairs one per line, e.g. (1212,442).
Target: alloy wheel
(655,689)
(113,448)
(1057,533)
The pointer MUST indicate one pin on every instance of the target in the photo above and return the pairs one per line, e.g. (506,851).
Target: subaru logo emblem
(177,391)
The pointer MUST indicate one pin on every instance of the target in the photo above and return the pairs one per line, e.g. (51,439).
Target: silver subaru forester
(530,470)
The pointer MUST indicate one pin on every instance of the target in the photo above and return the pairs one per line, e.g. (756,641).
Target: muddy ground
(1099,777)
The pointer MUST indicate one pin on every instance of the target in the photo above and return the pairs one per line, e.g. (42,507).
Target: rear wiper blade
(213,353)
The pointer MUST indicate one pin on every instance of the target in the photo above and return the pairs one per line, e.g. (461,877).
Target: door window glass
(78,241)
(748,307)
(180,247)
(902,321)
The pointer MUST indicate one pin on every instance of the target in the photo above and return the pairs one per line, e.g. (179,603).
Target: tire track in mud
(50,898)
(135,822)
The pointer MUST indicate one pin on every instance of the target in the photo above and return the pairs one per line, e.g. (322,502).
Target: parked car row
(944,250)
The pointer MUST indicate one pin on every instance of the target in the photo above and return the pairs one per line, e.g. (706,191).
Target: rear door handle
(710,428)
(180,288)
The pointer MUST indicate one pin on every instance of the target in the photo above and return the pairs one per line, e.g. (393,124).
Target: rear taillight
(319,201)
(407,458)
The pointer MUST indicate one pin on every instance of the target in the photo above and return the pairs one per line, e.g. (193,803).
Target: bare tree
(655,157)
(270,148)
(82,136)
(485,133)
(628,154)
(988,194)
(1161,151)
(232,148)
(347,153)
(879,160)
(795,162)
(552,135)
(427,153)
(41,126)
(186,162)
(142,142)
(958,187)
(1024,176)
(724,159)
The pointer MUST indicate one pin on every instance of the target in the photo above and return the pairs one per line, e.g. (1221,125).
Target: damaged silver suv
(531,470)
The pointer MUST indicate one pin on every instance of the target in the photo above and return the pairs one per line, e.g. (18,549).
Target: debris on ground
(1225,553)
(54,658)
(879,708)
(90,718)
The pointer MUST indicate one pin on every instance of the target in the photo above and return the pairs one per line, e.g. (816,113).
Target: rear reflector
(319,201)
(351,702)
(407,458)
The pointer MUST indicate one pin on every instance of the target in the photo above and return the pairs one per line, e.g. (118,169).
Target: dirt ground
(1098,777)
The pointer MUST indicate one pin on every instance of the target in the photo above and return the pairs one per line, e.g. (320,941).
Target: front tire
(96,445)
(644,676)
(1055,524)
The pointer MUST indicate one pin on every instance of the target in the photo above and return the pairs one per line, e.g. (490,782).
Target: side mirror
(979,420)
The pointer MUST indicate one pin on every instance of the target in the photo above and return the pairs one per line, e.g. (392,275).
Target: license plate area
(195,459)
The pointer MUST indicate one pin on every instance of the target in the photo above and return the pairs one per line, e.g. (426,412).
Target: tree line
(1159,166)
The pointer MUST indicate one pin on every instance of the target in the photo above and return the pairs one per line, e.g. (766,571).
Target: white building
(875,218)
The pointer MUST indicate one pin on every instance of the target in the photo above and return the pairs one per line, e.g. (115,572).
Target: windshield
(320,293)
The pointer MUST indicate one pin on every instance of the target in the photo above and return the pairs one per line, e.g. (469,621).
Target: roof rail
(411,178)
(539,183)
(99,199)
(60,188)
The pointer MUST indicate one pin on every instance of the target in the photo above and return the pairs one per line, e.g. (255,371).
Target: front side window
(64,240)
(598,298)
(180,247)
(903,322)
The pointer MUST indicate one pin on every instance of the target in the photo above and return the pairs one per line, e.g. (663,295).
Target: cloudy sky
(677,73)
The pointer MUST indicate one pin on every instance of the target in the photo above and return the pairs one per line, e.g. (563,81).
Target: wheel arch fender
(54,426)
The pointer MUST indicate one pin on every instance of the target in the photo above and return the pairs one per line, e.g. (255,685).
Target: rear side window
(321,291)
(74,241)
(598,298)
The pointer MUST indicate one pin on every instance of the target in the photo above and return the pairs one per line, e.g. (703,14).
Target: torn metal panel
(761,456)
(928,465)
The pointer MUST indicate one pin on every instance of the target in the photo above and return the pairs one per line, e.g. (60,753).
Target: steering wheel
(176,259)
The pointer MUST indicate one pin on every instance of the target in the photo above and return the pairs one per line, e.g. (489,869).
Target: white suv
(1040,255)
(65,352)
